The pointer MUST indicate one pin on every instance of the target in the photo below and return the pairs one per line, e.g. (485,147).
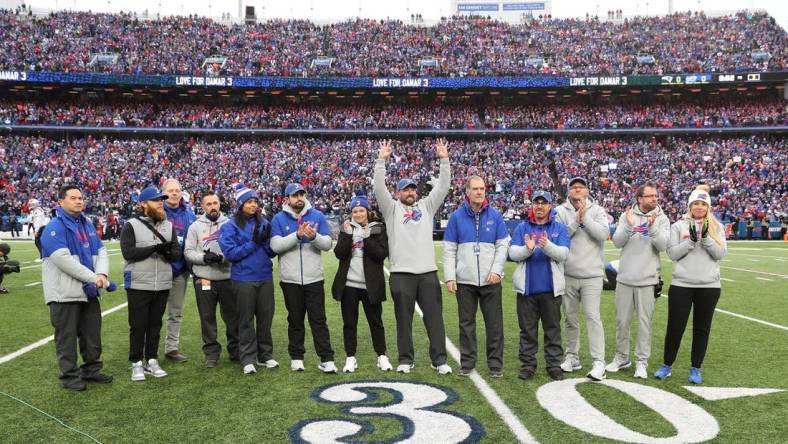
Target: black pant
(77,322)
(307,300)
(146,309)
(530,309)
(221,293)
(469,298)
(407,289)
(374,312)
(255,316)
(680,302)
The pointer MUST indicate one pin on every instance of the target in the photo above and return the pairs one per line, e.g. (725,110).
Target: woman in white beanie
(696,246)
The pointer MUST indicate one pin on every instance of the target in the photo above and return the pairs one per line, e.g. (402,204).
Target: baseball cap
(151,193)
(542,195)
(405,183)
(293,188)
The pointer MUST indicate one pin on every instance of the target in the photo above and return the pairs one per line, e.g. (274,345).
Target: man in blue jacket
(474,253)
(75,266)
(300,235)
(540,246)
(181,217)
(245,242)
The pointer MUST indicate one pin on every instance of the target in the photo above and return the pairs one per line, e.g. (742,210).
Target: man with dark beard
(149,244)
(212,283)
(414,277)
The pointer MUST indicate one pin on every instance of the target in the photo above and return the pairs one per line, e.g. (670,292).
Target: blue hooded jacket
(250,262)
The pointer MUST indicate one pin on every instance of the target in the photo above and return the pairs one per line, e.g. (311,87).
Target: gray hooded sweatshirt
(203,235)
(640,246)
(695,264)
(410,228)
(587,249)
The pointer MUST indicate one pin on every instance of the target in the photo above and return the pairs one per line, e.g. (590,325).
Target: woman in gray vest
(148,244)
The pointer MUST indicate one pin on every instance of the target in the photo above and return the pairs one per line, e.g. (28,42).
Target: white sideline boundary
(48,339)
(504,412)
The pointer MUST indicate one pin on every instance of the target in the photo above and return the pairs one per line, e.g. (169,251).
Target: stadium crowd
(682,42)
(753,112)
(746,174)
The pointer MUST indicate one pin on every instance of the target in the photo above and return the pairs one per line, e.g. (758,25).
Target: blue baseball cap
(542,195)
(405,183)
(151,193)
(293,188)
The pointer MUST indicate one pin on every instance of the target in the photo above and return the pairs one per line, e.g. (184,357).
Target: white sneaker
(597,372)
(405,368)
(570,364)
(137,373)
(268,364)
(297,365)
(442,369)
(327,367)
(350,365)
(384,364)
(249,369)
(618,363)
(640,370)
(154,369)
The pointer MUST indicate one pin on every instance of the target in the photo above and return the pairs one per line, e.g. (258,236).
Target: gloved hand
(693,232)
(212,258)
(164,248)
(705,230)
(260,237)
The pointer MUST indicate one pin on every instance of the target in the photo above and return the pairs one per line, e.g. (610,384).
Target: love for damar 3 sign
(420,408)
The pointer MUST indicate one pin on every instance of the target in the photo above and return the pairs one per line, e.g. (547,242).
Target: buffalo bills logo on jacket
(414,216)
(640,230)
(358,245)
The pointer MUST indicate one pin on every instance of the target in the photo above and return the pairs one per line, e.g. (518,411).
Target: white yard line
(31,284)
(495,401)
(781,327)
(48,339)
(726,279)
(764,279)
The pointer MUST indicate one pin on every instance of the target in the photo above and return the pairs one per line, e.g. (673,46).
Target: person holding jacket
(212,284)
(245,242)
(642,233)
(75,266)
(696,247)
(149,245)
(475,245)
(540,246)
(588,229)
(300,235)
(361,248)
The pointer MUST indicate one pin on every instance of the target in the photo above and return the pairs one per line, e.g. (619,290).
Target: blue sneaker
(663,372)
(695,376)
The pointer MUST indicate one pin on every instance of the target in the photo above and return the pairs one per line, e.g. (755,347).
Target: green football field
(748,350)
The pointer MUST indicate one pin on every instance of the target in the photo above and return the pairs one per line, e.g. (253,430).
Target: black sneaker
(100,378)
(526,373)
(556,374)
(464,372)
(496,373)
(76,385)
(3,290)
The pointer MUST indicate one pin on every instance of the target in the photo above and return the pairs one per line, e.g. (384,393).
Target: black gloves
(164,248)
(693,232)
(705,231)
(212,258)
(260,238)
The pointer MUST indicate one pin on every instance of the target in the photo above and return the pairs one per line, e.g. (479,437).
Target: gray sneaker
(154,369)
(137,372)
(618,363)
(570,364)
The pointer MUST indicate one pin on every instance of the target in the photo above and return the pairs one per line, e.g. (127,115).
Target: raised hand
(442,149)
(385,149)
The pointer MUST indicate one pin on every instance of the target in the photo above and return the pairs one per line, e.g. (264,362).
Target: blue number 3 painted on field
(416,406)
